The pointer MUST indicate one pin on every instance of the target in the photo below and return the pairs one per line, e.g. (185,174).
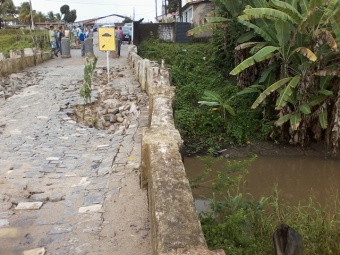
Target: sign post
(107,42)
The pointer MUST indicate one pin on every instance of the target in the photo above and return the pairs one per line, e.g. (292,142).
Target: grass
(241,225)
(16,39)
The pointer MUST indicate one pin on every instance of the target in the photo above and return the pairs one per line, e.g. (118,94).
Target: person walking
(60,35)
(82,37)
(52,38)
(75,34)
(117,35)
(121,35)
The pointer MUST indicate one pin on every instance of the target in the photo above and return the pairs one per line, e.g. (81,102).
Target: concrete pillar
(89,47)
(116,53)
(65,48)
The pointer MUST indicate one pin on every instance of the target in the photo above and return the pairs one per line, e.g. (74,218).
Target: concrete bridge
(67,188)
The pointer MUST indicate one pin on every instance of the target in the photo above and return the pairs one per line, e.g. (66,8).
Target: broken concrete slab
(29,206)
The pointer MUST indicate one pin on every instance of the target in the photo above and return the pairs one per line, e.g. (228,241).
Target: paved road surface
(86,179)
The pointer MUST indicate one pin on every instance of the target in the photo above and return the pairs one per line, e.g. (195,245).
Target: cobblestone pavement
(67,188)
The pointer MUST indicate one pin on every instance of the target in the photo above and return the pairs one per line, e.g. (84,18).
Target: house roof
(193,2)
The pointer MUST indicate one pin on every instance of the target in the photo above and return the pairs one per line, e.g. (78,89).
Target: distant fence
(170,32)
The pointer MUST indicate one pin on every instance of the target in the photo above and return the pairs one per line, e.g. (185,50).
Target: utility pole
(180,10)
(31,12)
(156,9)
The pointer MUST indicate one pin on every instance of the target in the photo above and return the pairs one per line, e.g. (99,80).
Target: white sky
(87,9)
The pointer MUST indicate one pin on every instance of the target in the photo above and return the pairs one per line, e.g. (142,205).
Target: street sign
(107,39)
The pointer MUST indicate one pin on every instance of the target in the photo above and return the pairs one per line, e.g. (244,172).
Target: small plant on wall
(85,91)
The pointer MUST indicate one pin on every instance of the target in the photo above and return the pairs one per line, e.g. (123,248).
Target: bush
(194,70)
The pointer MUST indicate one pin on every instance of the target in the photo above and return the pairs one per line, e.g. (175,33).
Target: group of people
(80,34)
(55,36)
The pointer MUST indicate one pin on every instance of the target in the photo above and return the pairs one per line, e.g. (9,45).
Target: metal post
(31,11)
(108,66)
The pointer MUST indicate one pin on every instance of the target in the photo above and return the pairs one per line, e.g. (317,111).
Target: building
(195,11)
(47,24)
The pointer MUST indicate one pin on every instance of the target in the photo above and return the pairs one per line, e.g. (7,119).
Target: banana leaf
(246,37)
(288,9)
(208,103)
(245,45)
(230,109)
(305,108)
(269,90)
(326,92)
(269,13)
(306,52)
(287,92)
(295,120)
(323,119)
(243,20)
(251,89)
(283,119)
(263,54)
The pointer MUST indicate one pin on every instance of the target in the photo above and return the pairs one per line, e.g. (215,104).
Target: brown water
(297,178)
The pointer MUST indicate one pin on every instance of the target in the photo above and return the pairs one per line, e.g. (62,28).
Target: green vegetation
(241,225)
(286,82)
(17,39)
(194,70)
(271,71)
(85,90)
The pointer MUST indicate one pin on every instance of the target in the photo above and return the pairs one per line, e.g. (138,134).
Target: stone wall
(21,59)
(175,225)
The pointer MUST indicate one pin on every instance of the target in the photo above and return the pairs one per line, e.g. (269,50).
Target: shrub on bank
(194,70)
(241,225)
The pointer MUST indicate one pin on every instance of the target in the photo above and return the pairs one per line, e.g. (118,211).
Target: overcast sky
(87,9)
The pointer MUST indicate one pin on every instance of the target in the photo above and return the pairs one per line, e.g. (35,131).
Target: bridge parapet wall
(175,225)
(21,59)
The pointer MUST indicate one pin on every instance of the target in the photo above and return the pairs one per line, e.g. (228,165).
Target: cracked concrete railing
(21,59)
(175,225)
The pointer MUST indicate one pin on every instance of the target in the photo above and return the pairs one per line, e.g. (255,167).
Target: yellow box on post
(107,38)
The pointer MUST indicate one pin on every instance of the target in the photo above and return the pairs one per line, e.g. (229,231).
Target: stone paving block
(29,174)
(9,232)
(91,208)
(94,199)
(4,223)
(52,158)
(60,230)
(36,251)
(29,206)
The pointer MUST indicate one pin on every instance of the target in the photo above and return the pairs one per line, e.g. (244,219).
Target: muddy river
(297,177)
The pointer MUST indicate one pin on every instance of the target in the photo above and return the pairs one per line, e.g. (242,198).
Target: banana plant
(215,100)
(291,31)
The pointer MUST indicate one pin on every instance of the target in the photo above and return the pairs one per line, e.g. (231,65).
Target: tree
(39,17)
(7,10)
(173,6)
(25,13)
(58,17)
(127,20)
(50,16)
(69,16)
(292,47)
